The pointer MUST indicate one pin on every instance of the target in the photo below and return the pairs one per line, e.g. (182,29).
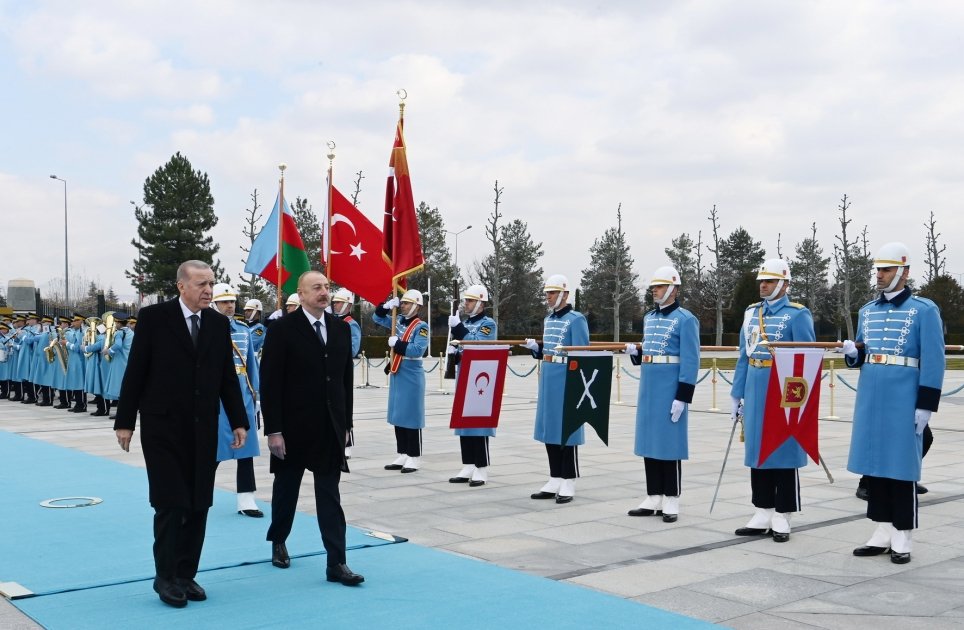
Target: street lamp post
(66,274)
(457,272)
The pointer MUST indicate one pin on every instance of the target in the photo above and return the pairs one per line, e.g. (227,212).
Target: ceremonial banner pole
(713,383)
(281,210)
(326,231)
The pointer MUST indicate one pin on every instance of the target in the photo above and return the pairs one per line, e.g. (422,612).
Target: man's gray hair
(182,270)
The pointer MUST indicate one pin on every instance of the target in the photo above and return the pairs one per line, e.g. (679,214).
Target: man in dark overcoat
(306,401)
(181,366)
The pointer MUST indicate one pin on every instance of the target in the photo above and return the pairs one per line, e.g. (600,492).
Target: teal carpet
(92,567)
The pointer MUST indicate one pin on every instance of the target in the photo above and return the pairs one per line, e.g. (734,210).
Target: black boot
(101,407)
(63,402)
(44,397)
(4,390)
(80,401)
(29,393)
(16,391)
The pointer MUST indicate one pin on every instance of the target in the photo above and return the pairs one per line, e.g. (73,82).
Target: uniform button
(327,378)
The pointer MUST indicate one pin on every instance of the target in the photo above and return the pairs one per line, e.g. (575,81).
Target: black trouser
(331,518)
(892,501)
(563,461)
(663,476)
(928,436)
(80,399)
(351,438)
(408,441)
(29,393)
(178,539)
(475,450)
(775,488)
(245,476)
(62,397)
(16,390)
(4,389)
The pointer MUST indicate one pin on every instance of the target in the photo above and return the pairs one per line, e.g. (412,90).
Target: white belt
(650,358)
(892,359)
(554,359)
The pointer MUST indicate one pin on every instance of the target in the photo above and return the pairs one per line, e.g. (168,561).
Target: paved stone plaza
(696,566)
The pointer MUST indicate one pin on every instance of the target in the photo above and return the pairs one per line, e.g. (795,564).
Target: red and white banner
(478,390)
(793,401)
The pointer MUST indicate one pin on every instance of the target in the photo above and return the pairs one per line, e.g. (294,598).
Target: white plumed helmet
(223,292)
(253,305)
(665,275)
(412,295)
(293,300)
(774,269)
(892,255)
(475,292)
(557,282)
(343,295)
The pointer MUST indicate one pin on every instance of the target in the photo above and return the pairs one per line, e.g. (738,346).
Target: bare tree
(252,286)
(936,262)
(779,248)
(853,262)
(354,195)
(493,235)
(716,274)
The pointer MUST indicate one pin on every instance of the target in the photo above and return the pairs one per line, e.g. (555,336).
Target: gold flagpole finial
(331,152)
(402,94)
(282,167)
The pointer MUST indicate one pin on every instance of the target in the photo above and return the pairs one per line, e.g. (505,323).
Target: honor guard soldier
(252,313)
(224,299)
(901,374)
(95,370)
(341,305)
(16,381)
(76,366)
(775,484)
(117,355)
(670,360)
(562,327)
(60,363)
(29,346)
(474,443)
(406,393)
(6,337)
(42,373)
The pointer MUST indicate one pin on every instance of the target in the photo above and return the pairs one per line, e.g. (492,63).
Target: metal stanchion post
(389,370)
(713,381)
(619,378)
(832,387)
(366,372)
(441,373)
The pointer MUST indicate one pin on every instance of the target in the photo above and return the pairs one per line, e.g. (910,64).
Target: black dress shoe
(922,489)
(192,590)
(561,499)
(459,479)
(870,550)
(252,513)
(170,593)
(475,483)
(341,573)
(542,495)
(899,558)
(98,413)
(644,512)
(78,409)
(409,470)
(863,494)
(279,556)
(61,406)
(752,531)
(670,518)
(781,536)
(393,466)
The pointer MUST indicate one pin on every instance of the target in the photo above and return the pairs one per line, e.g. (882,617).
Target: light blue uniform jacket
(406,393)
(564,327)
(119,353)
(241,338)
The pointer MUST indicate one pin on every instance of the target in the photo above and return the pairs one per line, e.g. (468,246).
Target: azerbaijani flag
(263,257)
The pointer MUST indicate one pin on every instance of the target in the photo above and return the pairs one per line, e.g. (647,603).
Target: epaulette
(796,305)
(754,305)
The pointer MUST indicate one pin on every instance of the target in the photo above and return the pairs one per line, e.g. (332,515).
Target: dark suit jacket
(306,391)
(177,388)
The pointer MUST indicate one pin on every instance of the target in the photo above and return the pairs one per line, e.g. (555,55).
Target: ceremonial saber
(716,492)
(826,470)
(488,342)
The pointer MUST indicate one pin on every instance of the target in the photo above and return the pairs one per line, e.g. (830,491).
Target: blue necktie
(318,331)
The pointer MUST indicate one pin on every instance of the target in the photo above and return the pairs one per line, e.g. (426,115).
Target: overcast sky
(770,110)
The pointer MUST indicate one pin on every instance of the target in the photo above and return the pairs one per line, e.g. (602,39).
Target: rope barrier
(952,392)
(629,374)
(533,369)
(723,376)
(375,365)
(703,378)
(841,379)
(433,368)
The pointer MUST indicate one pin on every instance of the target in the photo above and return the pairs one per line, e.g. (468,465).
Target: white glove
(451,350)
(454,320)
(735,409)
(275,315)
(921,418)
(849,349)
(676,410)
(257,407)
(392,341)
(392,303)
(632,349)
(531,344)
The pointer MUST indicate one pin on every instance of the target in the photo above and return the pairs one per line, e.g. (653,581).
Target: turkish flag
(478,391)
(356,261)
(402,245)
(793,401)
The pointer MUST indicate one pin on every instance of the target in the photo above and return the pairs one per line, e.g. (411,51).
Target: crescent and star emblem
(482,376)
(356,250)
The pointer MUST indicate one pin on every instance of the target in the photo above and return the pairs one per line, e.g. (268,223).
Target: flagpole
(326,233)
(281,211)
(402,95)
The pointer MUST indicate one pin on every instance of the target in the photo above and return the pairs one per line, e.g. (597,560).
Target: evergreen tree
(809,272)
(310,230)
(438,260)
(686,257)
(520,280)
(609,284)
(741,254)
(945,291)
(173,226)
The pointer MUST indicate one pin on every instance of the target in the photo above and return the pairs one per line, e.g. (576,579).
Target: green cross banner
(589,381)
